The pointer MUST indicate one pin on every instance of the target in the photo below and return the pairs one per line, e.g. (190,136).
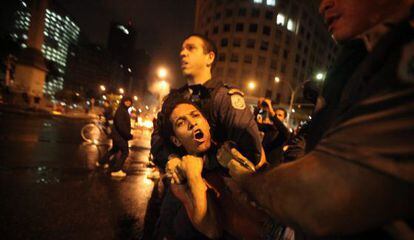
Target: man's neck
(199,79)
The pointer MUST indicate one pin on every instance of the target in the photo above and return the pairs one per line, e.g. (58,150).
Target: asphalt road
(51,189)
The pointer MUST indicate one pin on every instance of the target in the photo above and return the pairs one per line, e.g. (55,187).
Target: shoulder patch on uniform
(406,67)
(237,101)
(235,91)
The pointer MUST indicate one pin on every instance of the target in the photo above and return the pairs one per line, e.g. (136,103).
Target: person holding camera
(270,122)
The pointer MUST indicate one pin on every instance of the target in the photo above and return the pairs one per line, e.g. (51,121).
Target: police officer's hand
(237,171)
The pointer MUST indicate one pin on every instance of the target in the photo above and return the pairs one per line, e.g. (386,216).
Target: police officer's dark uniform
(227,114)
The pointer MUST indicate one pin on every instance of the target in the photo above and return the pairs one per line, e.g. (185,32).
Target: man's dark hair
(209,45)
(171,101)
(283,110)
(126,98)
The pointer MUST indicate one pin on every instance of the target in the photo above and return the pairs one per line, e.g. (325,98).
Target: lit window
(257,1)
(24,4)
(280,19)
(271,2)
(24,36)
(24,45)
(290,25)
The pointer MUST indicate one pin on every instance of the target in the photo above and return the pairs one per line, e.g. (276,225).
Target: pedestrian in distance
(120,135)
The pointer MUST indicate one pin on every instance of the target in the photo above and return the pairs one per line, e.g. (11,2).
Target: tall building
(134,62)
(121,41)
(262,40)
(59,34)
(89,66)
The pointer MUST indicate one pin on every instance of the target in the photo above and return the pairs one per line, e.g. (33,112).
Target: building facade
(90,66)
(134,62)
(121,41)
(266,47)
(59,34)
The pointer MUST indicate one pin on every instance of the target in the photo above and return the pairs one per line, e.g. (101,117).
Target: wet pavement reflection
(51,188)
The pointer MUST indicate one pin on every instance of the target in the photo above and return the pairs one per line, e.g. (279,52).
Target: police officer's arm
(237,121)
(360,176)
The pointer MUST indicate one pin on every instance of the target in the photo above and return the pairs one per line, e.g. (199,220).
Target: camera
(264,104)
(263,113)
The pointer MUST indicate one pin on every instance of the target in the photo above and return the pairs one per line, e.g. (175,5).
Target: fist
(191,166)
(171,169)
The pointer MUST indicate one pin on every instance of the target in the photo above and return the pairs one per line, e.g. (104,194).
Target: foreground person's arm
(194,196)
(359,177)
(328,197)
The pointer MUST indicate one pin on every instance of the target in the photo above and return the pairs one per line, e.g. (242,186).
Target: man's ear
(176,141)
(211,57)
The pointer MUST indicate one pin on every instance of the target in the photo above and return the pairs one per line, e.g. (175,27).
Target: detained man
(358,180)
(214,204)
(223,106)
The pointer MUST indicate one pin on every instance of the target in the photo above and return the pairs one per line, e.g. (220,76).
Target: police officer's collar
(209,84)
(212,83)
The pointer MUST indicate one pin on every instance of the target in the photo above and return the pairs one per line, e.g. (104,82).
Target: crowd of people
(230,173)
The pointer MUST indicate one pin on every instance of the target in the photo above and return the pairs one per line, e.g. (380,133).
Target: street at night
(51,188)
(207,119)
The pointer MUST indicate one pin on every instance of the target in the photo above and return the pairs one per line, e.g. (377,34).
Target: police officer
(223,106)
(358,180)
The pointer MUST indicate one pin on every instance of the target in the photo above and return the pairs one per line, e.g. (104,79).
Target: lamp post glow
(136,98)
(103,88)
(251,85)
(121,90)
(163,85)
(320,76)
(162,73)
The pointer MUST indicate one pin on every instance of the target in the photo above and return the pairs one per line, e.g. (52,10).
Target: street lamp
(277,79)
(251,85)
(136,98)
(162,73)
(103,88)
(320,76)
(121,90)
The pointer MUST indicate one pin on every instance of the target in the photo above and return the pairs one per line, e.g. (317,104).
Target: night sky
(161,25)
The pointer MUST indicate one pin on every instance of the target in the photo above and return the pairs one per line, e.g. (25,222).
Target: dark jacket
(121,130)
(350,56)
(374,125)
